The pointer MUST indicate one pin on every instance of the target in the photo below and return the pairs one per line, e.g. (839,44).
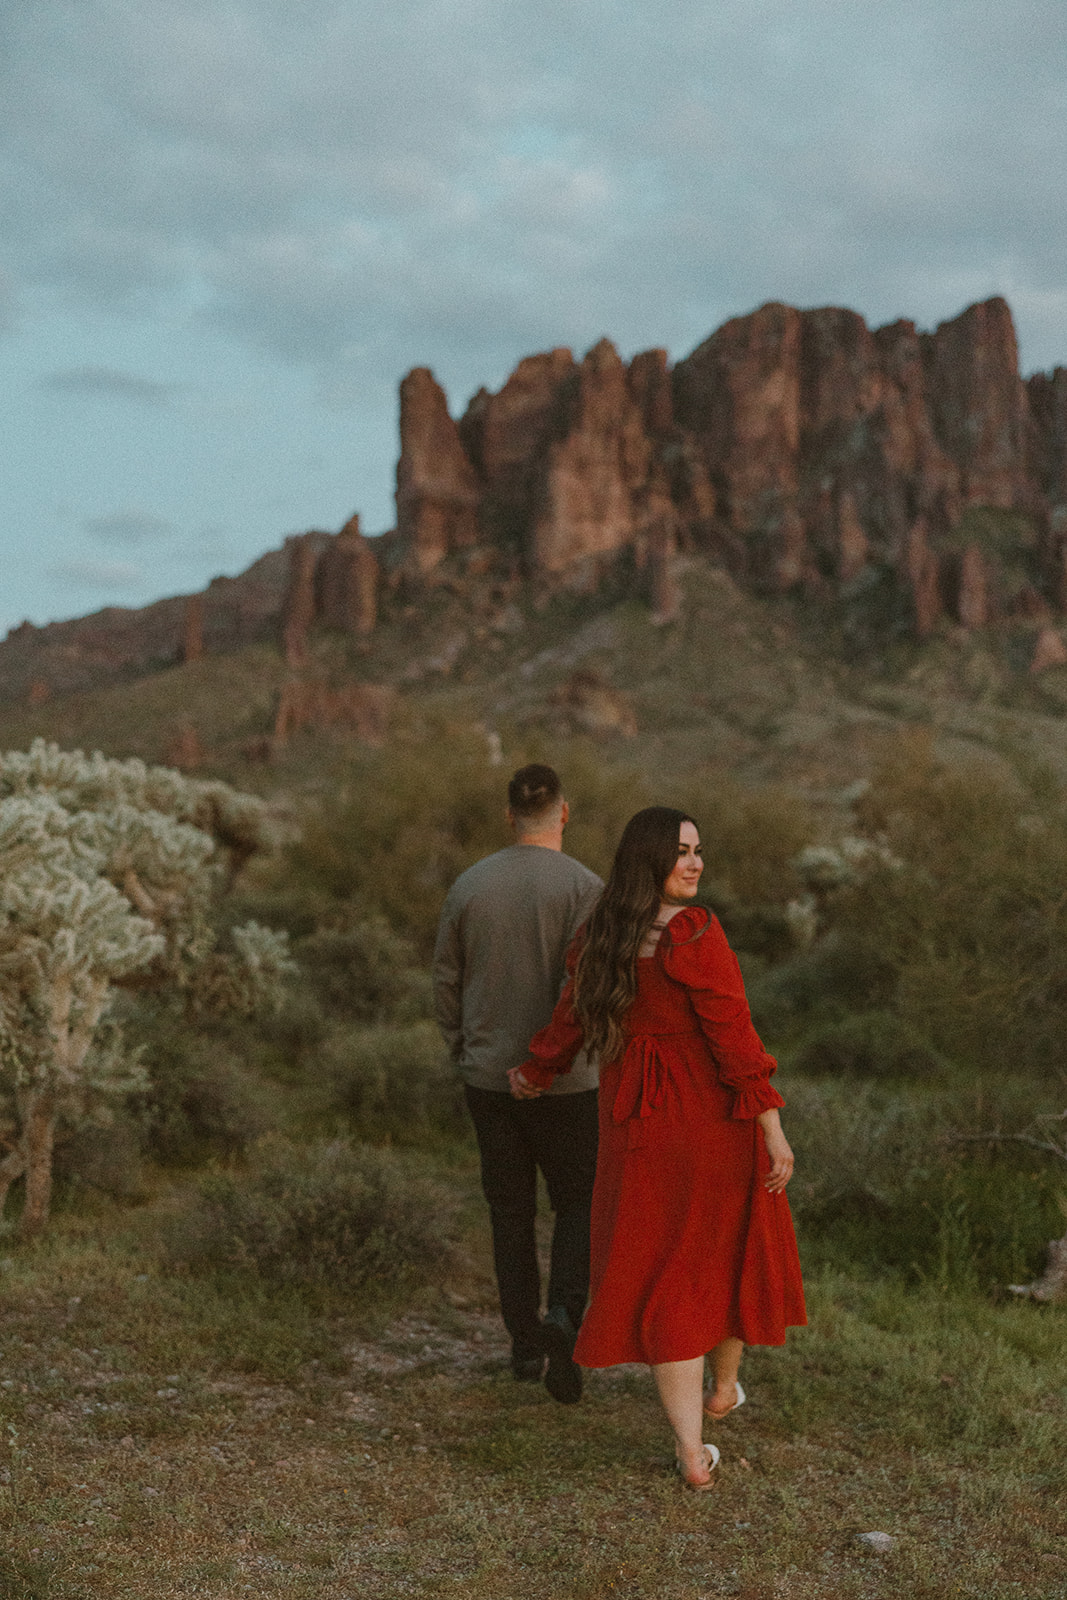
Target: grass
(218,1433)
(179,1436)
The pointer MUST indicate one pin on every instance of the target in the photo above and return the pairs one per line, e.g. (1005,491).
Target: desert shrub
(974,922)
(333,1214)
(846,971)
(882,1185)
(400,824)
(751,839)
(859,1145)
(764,931)
(106,1156)
(396,1081)
(293,1035)
(870,1044)
(361,970)
(205,1096)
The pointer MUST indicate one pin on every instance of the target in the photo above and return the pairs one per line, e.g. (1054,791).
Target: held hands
(778,1150)
(519,1086)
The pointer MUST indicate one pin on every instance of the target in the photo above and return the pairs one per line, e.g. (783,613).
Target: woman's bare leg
(681,1391)
(725,1363)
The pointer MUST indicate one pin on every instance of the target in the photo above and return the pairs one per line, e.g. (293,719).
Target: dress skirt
(687,1246)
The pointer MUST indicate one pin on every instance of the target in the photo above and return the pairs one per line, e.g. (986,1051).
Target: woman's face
(683,881)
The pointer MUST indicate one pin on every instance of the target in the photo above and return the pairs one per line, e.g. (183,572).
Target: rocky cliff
(801,448)
(917,473)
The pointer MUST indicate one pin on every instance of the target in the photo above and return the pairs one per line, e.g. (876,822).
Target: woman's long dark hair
(605,979)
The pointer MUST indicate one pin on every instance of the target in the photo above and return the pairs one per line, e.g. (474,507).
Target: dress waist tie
(642,1086)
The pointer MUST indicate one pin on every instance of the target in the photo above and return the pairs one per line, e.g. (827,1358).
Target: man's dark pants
(557,1133)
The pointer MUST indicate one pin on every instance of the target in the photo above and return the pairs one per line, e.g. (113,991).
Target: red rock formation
(972,602)
(799,447)
(739,394)
(1049,651)
(922,574)
(193,631)
(649,380)
(298,607)
(1046,394)
(437,490)
(362,708)
(593,706)
(594,476)
(346,583)
(112,644)
(184,750)
(853,545)
(507,436)
(978,403)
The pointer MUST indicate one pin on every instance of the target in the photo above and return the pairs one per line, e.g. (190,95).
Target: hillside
(735,684)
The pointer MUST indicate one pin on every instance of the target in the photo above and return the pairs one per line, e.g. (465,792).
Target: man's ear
(509,816)
(564,814)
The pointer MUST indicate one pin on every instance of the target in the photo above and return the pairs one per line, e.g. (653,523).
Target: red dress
(688,1247)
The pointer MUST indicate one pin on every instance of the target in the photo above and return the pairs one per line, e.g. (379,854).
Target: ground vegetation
(259,1336)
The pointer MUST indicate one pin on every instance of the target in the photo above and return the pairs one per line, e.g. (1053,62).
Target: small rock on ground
(876,1541)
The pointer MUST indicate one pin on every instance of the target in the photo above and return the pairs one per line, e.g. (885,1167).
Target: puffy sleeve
(696,954)
(554,1047)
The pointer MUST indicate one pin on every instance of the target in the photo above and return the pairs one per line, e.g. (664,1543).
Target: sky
(231,226)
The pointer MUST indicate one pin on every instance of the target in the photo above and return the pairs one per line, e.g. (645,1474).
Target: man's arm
(448,980)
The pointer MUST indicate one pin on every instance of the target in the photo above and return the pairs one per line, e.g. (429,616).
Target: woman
(692,1241)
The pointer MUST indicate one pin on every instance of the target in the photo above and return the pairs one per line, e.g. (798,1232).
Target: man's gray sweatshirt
(499,963)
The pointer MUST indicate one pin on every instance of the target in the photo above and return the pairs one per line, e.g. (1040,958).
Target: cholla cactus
(106,870)
(824,867)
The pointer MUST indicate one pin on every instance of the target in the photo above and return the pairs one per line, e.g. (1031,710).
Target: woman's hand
(778,1150)
(519,1086)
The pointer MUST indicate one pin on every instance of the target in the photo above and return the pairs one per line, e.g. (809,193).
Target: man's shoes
(528,1369)
(563,1378)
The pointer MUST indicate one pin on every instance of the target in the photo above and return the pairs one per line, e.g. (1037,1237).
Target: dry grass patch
(159,1441)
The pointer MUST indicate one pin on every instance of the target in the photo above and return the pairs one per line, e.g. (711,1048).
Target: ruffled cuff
(537,1074)
(753,1099)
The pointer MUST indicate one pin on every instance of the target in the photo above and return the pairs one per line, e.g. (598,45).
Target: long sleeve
(448,980)
(554,1047)
(699,956)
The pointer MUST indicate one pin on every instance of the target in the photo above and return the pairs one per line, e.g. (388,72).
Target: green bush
(870,1044)
(206,1097)
(106,1156)
(844,973)
(400,824)
(973,924)
(394,1081)
(751,839)
(361,970)
(329,1215)
(882,1185)
(861,1145)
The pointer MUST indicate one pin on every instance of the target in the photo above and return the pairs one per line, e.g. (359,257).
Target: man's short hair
(533,791)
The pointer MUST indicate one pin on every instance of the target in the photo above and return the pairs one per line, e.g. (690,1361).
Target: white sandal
(717,1416)
(713,1462)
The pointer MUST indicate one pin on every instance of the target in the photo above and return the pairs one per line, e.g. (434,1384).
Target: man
(497,972)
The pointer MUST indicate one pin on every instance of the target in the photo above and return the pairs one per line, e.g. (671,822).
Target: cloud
(84,576)
(445,183)
(108,383)
(128,528)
